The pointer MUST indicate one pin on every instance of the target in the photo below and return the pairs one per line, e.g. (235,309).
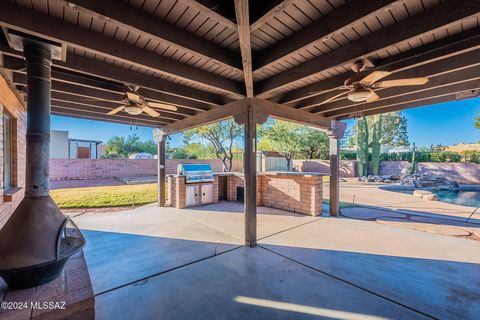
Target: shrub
(348,155)
(446,156)
(471,156)
(422,156)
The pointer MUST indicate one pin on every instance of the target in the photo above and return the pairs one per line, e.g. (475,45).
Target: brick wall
(235,181)
(79,169)
(296,193)
(348,168)
(460,172)
(300,194)
(73,288)
(11,105)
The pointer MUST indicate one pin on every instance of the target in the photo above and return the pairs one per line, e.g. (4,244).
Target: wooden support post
(250,119)
(250,168)
(335,134)
(334,176)
(161,140)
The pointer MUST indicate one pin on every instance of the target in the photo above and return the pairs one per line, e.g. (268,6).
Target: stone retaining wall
(461,172)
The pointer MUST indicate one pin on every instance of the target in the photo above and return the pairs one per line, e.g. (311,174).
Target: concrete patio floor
(152,263)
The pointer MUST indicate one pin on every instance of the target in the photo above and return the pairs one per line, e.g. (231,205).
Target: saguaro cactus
(362,146)
(413,165)
(376,136)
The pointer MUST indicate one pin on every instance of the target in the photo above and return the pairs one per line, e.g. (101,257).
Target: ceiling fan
(363,89)
(135,104)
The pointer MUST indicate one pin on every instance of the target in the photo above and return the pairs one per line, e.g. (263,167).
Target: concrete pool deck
(183,264)
(371,194)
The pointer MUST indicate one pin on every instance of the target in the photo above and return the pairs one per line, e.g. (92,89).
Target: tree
(123,147)
(394,130)
(221,135)
(315,143)
(283,137)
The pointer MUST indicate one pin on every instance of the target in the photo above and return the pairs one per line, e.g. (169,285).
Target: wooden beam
(261,107)
(39,25)
(104,106)
(320,30)
(277,6)
(156,29)
(68,112)
(407,99)
(80,90)
(227,111)
(438,17)
(8,98)
(311,95)
(282,112)
(457,68)
(102,112)
(242,13)
(199,5)
(88,67)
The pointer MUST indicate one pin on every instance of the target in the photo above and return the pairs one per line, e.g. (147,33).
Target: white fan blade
(161,106)
(375,76)
(373,97)
(116,110)
(133,97)
(403,82)
(150,111)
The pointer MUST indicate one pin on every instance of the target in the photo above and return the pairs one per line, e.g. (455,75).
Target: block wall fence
(78,169)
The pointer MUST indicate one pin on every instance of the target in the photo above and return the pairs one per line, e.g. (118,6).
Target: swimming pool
(470,198)
(461,197)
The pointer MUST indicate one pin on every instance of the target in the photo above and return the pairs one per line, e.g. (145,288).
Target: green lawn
(115,196)
(99,197)
(343,205)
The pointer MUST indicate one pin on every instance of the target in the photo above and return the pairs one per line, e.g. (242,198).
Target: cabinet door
(191,196)
(207,193)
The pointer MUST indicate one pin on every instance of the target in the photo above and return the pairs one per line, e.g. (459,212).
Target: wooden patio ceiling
(200,55)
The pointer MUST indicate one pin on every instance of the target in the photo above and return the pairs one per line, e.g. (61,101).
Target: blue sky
(446,123)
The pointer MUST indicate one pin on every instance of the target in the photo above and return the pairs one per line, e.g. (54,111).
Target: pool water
(463,198)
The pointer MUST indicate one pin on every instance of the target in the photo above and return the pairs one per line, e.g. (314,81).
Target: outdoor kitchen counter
(299,192)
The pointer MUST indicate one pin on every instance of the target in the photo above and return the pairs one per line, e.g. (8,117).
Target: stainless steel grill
(195,173)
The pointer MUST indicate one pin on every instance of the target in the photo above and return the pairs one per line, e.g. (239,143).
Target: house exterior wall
(9,199)
(58,144)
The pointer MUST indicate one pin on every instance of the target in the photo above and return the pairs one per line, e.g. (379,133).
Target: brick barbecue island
(299,192)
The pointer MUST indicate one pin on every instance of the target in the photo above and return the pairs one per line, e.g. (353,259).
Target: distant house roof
(464,147)
(83,140)
(141,155)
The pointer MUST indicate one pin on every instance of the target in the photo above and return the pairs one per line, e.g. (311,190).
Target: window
(7,152)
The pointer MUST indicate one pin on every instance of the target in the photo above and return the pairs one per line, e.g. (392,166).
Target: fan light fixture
(359,95)
(133,110)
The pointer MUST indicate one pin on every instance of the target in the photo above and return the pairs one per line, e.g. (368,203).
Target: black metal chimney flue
(37,240)
(38,61)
